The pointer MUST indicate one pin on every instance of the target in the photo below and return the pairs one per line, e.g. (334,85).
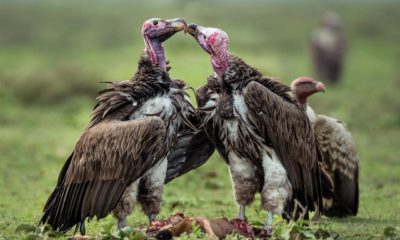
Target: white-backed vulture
(328,48)
(339,152)
(122,154)
(260,131)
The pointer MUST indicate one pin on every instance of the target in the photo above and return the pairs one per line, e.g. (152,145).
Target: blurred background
(54,54)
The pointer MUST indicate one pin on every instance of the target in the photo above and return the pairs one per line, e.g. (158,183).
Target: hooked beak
(319,86)
(195,30)
(173,26)
(177,24)
(192,29)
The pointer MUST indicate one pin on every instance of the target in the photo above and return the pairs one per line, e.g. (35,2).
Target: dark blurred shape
(328,47)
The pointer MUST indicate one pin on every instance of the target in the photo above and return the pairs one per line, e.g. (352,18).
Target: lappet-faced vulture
(260,131)
(339,152)
(328,48)
(122,154)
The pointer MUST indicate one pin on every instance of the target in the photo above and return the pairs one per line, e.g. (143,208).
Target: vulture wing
(107,158)
(206,98)
(340,159)
(192,150)
(284,125)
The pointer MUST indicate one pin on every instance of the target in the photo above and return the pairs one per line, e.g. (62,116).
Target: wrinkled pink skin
(219,56)
(215,42)
(155,32)
(153,47)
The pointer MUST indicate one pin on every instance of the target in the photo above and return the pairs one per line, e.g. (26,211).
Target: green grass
(54,54)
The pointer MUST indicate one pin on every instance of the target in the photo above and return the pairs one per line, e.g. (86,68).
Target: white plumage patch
(239,165)
(157,173)
(154,106)
(277,188)
(212,102)
(311,114)
(240,105)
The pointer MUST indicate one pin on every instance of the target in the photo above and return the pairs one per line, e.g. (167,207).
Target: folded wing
(285,127)
(341,161)
(107,158)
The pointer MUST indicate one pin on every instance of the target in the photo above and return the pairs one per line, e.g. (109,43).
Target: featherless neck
(218,68)
(159,51)
(301,99)
(155,51)
(220,64)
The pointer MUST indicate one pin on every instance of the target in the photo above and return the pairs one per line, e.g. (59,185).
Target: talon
(268,229)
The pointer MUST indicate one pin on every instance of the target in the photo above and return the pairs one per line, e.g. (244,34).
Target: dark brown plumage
(341,162)
(261,132)
(328,49)
(192,150)
(339,153)
(273,119)
(120,144)
(122,155)
(107,158)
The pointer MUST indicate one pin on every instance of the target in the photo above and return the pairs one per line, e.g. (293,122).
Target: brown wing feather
(107,158)
(341,161)
(284,124)
(210,126)
(191,151)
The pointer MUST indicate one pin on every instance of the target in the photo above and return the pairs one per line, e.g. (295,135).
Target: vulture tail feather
(345,202)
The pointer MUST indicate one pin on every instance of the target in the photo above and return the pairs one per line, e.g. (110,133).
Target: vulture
(122,154)
(260,131)
(338,149)
(328,48)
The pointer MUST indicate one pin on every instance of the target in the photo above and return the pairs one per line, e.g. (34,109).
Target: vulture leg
(242,214)
(277,189)
(126,204)
(268,224)
(121,223)
(317,215)
(82,228)
(152,218)
(245,181)
(151,188)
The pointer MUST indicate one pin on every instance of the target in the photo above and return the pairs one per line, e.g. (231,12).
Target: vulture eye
(204,37)
(155,22)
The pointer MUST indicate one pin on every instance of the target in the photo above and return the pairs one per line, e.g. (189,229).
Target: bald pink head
(303,87)
(155,31)
(215,42)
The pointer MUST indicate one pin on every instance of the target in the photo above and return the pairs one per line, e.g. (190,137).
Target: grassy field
(55,54)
